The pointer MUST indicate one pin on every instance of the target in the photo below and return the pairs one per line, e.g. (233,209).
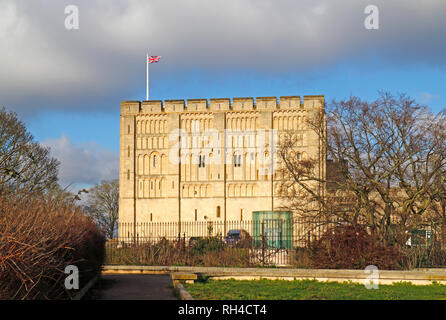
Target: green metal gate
(273,228)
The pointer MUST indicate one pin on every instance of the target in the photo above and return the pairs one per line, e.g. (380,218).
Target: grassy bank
(310,290)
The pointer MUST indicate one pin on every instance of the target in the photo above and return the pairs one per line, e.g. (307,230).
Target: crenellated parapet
(222,104)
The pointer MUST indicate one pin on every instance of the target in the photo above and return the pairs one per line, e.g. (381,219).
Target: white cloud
(83,164)
(43,63)
(426,97)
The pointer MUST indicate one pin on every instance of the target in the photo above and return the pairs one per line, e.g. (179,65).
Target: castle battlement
(222,104)
(210,159)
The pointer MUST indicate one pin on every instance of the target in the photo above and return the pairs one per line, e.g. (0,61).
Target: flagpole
(147,73)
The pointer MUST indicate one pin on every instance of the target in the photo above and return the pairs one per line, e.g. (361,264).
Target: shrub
(423,257)
(206,245)
(352,247)
(227,257)
(437,255)
(205,252)
(301,258)
(38,239)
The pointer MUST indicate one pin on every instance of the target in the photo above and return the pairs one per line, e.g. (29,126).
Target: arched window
(218,212)
(237,160)
(200,161)
(155,160)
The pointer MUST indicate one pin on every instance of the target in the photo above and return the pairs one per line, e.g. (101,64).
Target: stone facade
(172,156)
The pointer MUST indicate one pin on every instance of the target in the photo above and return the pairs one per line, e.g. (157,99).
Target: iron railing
(272,242)
(266,242)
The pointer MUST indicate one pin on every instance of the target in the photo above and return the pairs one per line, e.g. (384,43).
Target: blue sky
(67,84)
(422,82)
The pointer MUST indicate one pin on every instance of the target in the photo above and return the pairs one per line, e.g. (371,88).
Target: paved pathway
(132,287)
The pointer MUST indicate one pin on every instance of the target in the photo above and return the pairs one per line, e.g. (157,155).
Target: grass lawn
(310,290)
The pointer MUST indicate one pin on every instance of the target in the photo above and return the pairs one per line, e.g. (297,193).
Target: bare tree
(25,166)
(102,205)
(383,165)
(437,210)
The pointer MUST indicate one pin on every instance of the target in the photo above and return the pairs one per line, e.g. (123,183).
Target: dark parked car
(193,241)
(238,238)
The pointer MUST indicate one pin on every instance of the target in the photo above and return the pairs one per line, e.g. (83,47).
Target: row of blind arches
(237,158)
(155,188)
(241,123)
(157,164)
(196,191)
(279,122)
(197,125)
(152,188)
(289,123)
(152,164)
(234,190)
(246,141)
(151,126)
(152,143)
(242,190)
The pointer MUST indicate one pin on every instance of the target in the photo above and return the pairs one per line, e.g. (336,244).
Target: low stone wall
(417,277)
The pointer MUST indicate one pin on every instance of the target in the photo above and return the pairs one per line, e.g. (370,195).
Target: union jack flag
(153,59)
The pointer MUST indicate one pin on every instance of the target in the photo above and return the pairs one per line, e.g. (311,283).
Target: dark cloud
(43,65)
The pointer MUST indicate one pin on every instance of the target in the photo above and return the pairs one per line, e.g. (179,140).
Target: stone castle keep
(208,160)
